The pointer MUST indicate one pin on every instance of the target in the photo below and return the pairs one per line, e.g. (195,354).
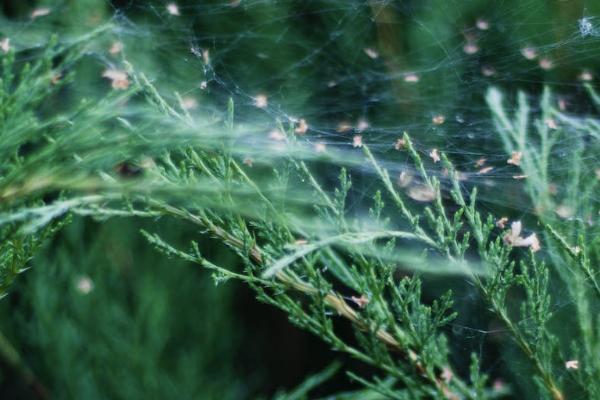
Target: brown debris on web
(119,79)
(435,155)
(5,45)
(173,9)
(40,12)
(514,238)
(260,101)
(302,127)
(515,158)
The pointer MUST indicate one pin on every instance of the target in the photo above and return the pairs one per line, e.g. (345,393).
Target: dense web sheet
(365,72)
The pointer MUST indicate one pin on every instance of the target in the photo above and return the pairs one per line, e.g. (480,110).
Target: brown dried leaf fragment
(435,155)
(514,239)
(515,158)
(422,193)
(119,78)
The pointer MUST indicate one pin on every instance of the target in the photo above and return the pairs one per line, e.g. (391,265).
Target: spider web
(376,69)
(373,70)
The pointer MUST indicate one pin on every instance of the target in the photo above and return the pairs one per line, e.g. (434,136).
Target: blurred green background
(101,315)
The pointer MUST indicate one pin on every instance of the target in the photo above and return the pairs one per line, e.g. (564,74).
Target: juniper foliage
(354,281)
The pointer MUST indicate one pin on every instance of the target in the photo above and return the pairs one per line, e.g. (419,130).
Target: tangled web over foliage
(346,261)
